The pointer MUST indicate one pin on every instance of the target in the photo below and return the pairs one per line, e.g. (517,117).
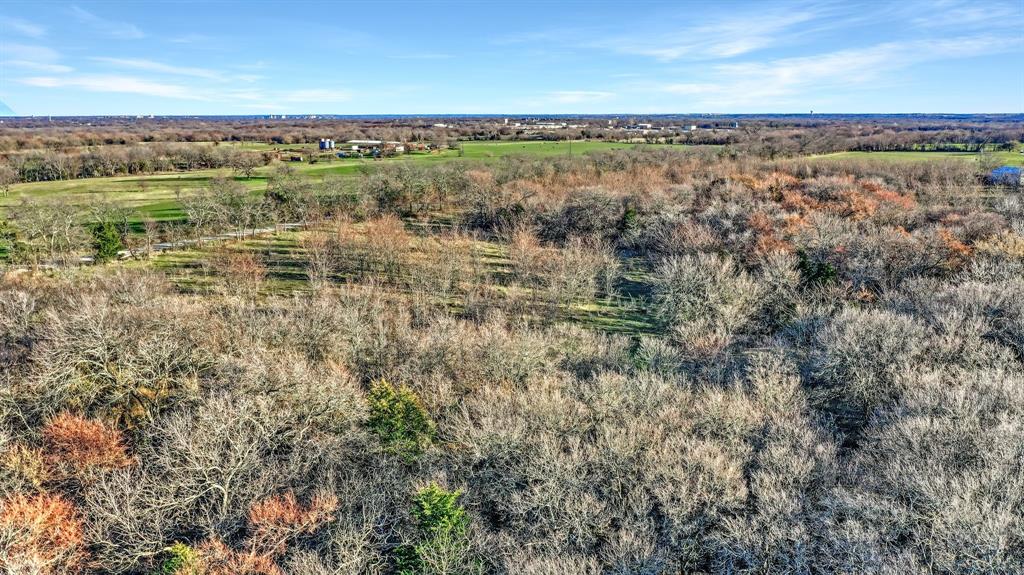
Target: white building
(378,145)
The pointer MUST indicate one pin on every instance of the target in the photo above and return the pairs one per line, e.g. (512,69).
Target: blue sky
(382,57)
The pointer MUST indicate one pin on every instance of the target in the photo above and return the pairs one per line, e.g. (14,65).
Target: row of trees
(809,134)
(39,166)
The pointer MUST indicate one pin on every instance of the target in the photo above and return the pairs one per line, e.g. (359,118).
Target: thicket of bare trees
(831,382)
(49,165)
(43,150)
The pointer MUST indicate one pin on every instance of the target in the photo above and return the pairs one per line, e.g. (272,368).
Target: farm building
(371,146)
(326,144)
(1005,175)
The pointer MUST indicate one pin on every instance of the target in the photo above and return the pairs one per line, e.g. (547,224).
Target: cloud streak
(955,13)
(112,28)
(145,65)
(23,27)
(112,83)
(29,52)
(788,79)
(31,57)
(38,66)
(725,38)
(152,66)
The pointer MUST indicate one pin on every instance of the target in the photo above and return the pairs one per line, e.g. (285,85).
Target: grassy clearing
(285,260)
(154,195)
(151,195)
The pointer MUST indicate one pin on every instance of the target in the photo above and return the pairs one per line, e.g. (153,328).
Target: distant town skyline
(96,58)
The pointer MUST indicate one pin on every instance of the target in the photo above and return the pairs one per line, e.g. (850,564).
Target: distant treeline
(41,166)
(38,150)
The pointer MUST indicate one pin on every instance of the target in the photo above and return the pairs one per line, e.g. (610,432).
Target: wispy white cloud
(28,52)
(23,27)
(961,14)
(726,38)
(722,36)
(787,79)
(37,66)
(31,57)
(112,28)
(215,92)
(152,66)
(111,83)
(679,37)
(175,70)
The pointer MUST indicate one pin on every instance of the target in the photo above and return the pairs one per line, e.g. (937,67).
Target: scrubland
(801,367)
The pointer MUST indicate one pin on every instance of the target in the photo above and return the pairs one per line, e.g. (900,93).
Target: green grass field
(151,195)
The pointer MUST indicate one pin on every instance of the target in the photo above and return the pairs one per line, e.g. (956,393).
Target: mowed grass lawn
(151,195)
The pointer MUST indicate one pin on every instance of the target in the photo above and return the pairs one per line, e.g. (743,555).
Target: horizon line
(314,115)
